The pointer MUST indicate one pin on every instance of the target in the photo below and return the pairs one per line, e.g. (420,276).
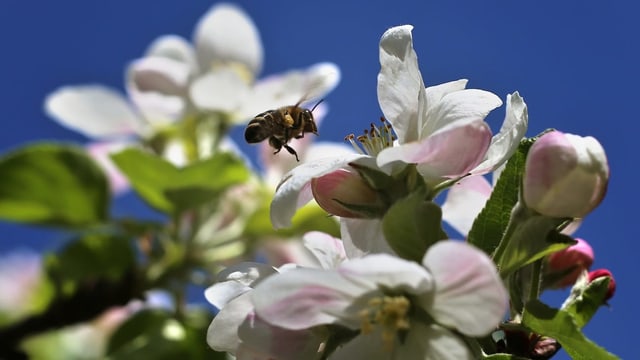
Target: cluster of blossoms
(395,286)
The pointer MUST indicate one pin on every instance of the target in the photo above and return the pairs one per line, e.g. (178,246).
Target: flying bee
(281,125)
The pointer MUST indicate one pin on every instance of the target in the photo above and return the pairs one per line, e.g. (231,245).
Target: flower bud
(565,175)
(344,193)
(578,257)
(595,274)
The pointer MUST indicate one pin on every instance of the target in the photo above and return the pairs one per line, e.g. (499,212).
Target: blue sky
(574,62)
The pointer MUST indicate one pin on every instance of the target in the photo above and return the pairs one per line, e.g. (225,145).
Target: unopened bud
(345,193)
(565,175)
(578,257)
(595,274)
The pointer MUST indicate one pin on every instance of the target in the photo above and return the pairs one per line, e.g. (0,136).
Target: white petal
(459,107)
(400,82)
(464,202)
(174,47)
(220,90)
(303,298)
(235,281)
(293,191)
(365,346)
(222,334)
(388,272)
(432,343)
(227,34)
(435,93)
(506,142)
(303,87)
(329,251)
(363,236)
(93,110)
(470,296)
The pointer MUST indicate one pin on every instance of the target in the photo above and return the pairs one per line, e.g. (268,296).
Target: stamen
(389,313)
(373,140)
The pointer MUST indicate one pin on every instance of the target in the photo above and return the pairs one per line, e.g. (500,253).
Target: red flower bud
(578,256)
(612,283)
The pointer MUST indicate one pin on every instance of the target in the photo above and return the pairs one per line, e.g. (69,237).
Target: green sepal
(52,184)
(587,299)
(413,224)
(560,325)
(171,189)
(533,238)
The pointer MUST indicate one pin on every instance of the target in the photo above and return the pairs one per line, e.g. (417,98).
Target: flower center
(387,312)
(373,140)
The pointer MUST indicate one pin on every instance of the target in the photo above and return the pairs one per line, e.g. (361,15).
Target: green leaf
(155,334)
(92,257)
(413,224)
(171,189)
(52,184)
(490,225)
(587,300)
(561,326)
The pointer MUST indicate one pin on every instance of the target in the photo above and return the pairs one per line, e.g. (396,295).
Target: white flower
(403,310)
(439,128)
(236,328)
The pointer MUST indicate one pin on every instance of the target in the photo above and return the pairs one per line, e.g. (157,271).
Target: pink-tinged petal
(100,152)
(432,342)
(451,152)
(294,190)
(226,34)
(329,251)
(174,47)
(336,190)
(388,272)
(470,296)
(220,90)
(457,109)
(93,110)
(400,82)
(261,340)
(303,298)
(363,236)
(506,142)
(464,202)
(222,334)
(578,257)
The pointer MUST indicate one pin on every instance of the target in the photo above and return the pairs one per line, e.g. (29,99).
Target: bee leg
(300,136)
(291,151)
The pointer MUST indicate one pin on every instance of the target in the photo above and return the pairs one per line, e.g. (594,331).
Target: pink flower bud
(578,256)
(565,175)
(612,283)
(342,192)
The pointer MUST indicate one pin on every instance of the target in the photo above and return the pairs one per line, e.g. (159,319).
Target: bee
(281,125)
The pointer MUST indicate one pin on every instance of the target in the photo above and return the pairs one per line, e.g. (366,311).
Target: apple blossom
(238,330)
(565,175)
(578,257)
(440,128)
(386,299)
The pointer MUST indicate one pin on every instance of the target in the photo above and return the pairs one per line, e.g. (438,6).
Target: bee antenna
(316,105)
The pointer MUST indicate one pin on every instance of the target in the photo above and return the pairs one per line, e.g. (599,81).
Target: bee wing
(319,80)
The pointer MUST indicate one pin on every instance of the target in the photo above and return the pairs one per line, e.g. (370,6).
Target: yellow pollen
(387,312)
(374,139)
